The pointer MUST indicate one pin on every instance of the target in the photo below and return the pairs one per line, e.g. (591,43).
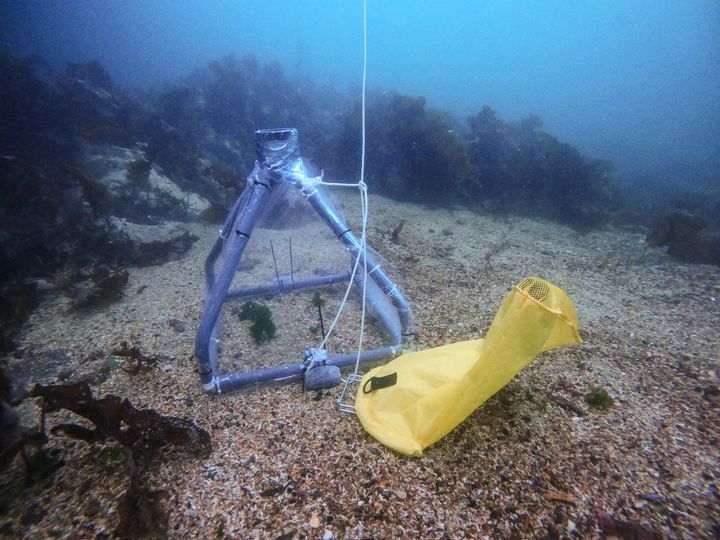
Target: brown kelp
(142,432)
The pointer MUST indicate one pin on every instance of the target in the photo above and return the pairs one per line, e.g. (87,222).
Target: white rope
(363,194)
(362,252)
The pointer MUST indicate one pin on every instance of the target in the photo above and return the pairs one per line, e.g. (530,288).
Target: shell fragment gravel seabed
(534,461)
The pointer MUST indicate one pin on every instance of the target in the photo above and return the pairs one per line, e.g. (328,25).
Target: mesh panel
(535,287)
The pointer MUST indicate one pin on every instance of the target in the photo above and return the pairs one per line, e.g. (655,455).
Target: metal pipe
(291,372)
(235,245)
(287,285)
(319,199)
(279,162)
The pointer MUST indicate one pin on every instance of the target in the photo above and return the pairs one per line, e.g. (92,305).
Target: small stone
(321,377)
(652,497)
(92,507)
(64,374)
(177,325)
(401,494)
(328,535)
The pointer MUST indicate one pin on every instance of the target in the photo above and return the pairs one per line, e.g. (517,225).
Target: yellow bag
(418,398)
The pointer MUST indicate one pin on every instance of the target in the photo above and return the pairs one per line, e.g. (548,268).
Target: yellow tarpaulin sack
(418,398)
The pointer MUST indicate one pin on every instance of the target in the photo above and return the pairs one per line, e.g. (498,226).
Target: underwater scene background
(576,141)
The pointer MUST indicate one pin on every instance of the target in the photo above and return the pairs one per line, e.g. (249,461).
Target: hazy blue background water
(635,81)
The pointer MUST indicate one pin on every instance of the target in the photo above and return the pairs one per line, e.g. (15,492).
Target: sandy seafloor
(286,464)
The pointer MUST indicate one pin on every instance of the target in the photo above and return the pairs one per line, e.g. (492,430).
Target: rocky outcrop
(687,237)
(138,189)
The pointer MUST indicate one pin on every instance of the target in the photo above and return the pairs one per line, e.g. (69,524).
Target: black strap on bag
(376,383)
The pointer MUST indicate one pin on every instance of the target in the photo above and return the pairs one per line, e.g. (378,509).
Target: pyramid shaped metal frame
(279,162)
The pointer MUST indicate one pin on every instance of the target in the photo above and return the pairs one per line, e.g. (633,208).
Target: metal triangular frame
(279,163)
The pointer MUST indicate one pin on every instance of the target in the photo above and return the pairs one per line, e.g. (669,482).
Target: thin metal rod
(292,276)
(322,324)
(353,378)
(277,274)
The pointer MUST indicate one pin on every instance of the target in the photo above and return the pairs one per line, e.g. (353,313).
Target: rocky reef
(96,175)
(428,156)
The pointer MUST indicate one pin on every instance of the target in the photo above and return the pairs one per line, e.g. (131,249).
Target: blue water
(635,82)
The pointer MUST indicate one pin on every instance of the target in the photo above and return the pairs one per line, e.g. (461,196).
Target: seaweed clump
(523,169)
(422,154)
(108,286)
(598,398)
(262,327)
(418,153)
(142,432)
(133,359)
(14,437)
(613,527)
